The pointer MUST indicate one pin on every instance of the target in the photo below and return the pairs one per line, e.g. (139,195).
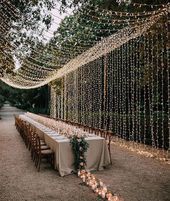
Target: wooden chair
(19,125)
(42,153)
(33,147)
(26,133)
(22,130)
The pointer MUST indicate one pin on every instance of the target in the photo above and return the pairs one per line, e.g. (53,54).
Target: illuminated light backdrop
(119,83)
(125,90)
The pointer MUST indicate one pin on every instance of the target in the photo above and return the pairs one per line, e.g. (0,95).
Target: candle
(79,173)
(88,174)
(84,178)
(99,192)
(92,176)
(94,186)
(108,195)
(103,194)
(90,183)
(110,198)
(101,183)
(83,171)
(115,198)
(105,189)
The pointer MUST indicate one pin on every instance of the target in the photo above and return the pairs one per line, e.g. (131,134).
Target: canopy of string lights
(90,32)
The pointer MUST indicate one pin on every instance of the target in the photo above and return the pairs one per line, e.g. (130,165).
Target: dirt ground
(134,177)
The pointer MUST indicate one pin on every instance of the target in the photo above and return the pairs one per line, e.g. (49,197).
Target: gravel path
(133,176)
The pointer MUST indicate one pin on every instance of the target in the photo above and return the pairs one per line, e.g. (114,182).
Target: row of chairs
(38,148)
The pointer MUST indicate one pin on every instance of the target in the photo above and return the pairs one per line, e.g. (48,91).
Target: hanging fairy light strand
(61,66)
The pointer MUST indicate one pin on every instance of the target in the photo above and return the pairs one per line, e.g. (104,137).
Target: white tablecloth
(97,155)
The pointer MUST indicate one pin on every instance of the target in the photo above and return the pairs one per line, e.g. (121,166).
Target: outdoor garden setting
(84,100)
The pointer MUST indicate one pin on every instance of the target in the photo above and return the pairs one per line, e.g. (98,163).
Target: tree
(109,4)
(35,100)
(20,20)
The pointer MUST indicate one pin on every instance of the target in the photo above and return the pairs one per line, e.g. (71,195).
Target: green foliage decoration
(79,147)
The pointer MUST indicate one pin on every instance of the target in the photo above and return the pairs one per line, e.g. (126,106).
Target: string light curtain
(126,90)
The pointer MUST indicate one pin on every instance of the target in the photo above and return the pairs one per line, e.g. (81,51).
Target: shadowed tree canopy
(109,4)
(34,100)
(22,22)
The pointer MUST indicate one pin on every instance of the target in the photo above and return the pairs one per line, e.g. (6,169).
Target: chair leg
(36,159)
(39,163)
(110,153)
(110,158)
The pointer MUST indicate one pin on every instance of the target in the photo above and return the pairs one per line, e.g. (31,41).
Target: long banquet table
(97,155)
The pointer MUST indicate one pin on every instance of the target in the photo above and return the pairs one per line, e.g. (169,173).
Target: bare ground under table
(134,177)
